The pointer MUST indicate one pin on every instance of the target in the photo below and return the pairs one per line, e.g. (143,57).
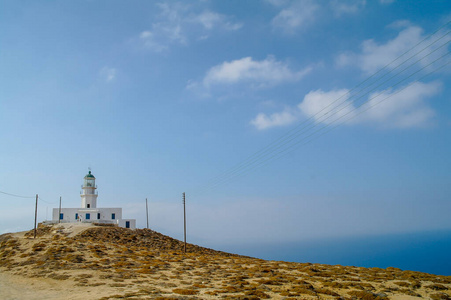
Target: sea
(428,252)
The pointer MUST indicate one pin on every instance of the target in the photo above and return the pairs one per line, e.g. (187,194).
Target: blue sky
(158,98)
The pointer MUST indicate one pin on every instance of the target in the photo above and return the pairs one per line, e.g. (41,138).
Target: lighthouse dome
(89,175)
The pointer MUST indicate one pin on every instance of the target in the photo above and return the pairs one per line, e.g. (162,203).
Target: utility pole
(184,222)
(35,215)
(147,214)
(59,212)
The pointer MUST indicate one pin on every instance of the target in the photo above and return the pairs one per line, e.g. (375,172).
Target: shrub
(402,283)
(440,296)
(59,277)
(259,294)
(212,293)
(301,290)
(436,287)
(326,292)
(38,247)
(365,295)
(185,291)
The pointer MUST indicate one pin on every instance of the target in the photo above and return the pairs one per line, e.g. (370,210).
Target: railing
(83,186)
(95,193)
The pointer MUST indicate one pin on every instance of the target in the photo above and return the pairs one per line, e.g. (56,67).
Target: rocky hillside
(90,262)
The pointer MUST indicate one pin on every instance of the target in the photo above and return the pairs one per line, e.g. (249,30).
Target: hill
(80,261)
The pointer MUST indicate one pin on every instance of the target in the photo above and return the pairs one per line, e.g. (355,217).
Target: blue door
(61,216)
(113,216)
(127,224)
(88,216)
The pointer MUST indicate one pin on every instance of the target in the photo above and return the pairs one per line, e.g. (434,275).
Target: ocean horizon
(428,252)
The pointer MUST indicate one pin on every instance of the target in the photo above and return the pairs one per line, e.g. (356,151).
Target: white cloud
(341,7)
(177,24)
(405,107)
(108,74)
(262,73)
(262,121)
(375,56)
(278,2)
(344,59)
(301,14)
(244,77)
(209,20)
(298,15)
(145,34)
(167,31)
(317,103)
(150,42)
(400,24)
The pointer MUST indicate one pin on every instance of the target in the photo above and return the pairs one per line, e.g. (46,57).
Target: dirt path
(18,287)
(15,287)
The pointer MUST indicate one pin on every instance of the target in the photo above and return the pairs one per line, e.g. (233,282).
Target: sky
(282,121)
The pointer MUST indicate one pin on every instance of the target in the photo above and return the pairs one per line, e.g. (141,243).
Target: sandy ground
(81,261)
(19,287)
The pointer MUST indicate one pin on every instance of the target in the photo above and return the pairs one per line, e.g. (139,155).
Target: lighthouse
(89,212)
(89,193)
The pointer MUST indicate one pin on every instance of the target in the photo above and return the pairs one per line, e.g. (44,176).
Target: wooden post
(184,222)
(35,215)
(147,214)
(59,212)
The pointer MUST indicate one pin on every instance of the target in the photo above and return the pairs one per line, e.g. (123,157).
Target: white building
(89,212)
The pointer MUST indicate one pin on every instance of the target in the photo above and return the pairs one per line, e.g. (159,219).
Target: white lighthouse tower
(89,212)
(89,193)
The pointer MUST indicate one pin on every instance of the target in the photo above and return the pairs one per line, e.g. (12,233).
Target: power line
(26,197)
(18,196)
(295,129)
(40,198)
(349,103)
(335,121)
(290,137)
(293,133)
(264,162)
(278,156)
